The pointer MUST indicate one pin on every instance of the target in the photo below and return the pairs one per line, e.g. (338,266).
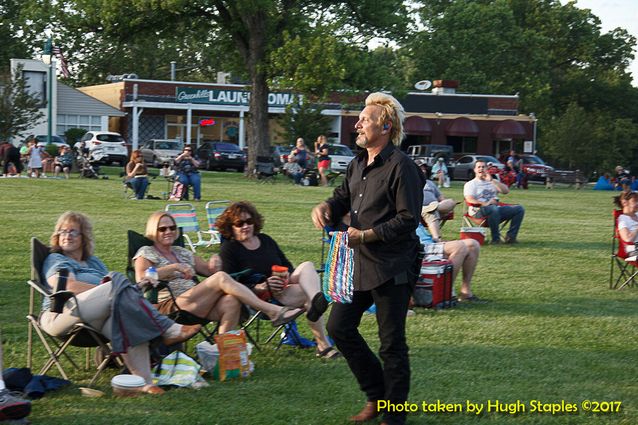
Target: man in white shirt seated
(481,194)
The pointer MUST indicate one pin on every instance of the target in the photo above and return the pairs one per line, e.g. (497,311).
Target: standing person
(10,155)
(36,153)
(481,194)
(137,174)
(11,406)
(382,192)
(187,173)
(323,158)
(301,153)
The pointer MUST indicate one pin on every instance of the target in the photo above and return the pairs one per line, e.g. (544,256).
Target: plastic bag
(207,354)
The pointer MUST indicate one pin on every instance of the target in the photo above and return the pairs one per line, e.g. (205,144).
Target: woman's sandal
(328,353)
(282,319)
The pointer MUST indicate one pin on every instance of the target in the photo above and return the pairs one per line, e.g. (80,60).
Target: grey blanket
(134,319)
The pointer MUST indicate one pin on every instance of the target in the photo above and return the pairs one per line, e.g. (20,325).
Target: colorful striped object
(337,276)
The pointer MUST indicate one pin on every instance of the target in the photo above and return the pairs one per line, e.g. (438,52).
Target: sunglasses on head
(163,229)
(240,223)
(73,233)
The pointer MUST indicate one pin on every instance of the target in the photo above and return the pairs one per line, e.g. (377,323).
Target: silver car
(464,166)
(340,157)
(160,151)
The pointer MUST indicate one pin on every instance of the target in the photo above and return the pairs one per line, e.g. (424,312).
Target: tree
(304,120)
(19,110)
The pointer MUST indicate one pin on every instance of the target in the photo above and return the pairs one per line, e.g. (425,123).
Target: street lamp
(48,50)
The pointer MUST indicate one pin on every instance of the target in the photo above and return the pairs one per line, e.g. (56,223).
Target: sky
(614,14)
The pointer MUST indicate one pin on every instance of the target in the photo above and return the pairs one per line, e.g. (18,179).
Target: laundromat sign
(228,97)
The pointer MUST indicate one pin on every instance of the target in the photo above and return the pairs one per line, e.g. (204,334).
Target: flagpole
(48,49)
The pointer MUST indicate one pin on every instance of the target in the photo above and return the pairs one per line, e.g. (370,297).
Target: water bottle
(151,276)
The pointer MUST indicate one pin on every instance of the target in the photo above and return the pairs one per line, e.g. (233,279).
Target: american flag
(63,66)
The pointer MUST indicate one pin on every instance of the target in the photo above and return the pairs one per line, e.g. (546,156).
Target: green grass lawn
(553,331)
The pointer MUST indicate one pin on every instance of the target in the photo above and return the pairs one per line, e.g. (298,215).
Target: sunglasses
(73,233)
(240,223)
(163,229)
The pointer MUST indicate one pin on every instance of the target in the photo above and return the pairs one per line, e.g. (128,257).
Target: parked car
(112,146)
(463,168)
(429,154)
(340,157)
(535,167)
(221,155)
(160,151)
(280,154)
(56,140)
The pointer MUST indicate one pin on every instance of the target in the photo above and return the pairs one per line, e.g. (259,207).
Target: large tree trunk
(259,141)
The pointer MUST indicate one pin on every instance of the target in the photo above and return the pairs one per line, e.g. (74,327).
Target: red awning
(509,129)
(463,127)
(418,126)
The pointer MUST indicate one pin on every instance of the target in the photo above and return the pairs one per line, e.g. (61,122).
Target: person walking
(382,192)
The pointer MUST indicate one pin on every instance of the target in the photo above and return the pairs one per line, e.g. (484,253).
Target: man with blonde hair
(382,193)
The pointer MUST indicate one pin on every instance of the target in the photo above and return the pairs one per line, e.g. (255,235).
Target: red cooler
(434,286)
(476,233)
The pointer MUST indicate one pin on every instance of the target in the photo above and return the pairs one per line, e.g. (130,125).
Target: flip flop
(318,306)
(282,319)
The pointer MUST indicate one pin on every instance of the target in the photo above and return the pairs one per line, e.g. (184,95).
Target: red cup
(282,272)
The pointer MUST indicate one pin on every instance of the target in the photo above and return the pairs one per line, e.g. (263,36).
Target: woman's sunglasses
(162,229)
(240,223)
(73,233)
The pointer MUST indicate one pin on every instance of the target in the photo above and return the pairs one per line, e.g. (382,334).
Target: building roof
(74,102)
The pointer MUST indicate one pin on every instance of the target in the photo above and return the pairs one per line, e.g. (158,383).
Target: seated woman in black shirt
(246,248)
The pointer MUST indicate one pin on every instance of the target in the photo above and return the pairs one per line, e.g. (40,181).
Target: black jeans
(392,380)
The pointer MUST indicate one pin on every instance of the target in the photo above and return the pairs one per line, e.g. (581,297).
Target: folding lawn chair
(213,210)
(472,221)
(186,219)
(627,270)
(265,169)
(81,335)
(183,317)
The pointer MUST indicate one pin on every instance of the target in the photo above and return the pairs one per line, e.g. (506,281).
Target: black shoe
(511,241)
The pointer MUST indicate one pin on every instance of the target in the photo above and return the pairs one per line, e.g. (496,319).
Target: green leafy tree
(304,120)
(19,110)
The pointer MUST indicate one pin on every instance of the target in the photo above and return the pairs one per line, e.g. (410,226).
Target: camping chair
(183,317)
(186,219)
(81,335)
(127,186)
(265,169)
(472,221)
(213,210)
(627,270)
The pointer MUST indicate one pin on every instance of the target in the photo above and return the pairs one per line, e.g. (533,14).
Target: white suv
(106,146)
(340,157)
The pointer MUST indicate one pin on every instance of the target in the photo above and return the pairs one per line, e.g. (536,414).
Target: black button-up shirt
(385,196)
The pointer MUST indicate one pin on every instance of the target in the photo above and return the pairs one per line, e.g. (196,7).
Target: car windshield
(340,150)
(533,159)
(488,159)
(169,145)
(228,147)
(111,138)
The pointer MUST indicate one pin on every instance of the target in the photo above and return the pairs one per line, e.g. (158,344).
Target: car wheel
(470,175)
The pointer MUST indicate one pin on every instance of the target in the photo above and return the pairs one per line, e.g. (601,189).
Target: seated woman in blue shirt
(72,249)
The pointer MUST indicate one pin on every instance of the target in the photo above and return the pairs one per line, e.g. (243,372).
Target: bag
(179,370)
(310,179)
(208,354)
(337,276)
(234,360)
(178,192)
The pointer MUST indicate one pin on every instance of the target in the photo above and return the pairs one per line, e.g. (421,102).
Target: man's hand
(354,237)
(321,215)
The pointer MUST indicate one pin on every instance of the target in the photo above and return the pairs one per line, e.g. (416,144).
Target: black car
(221,155)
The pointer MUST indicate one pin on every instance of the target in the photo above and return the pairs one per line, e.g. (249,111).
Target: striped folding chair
(185,217)
(214,210)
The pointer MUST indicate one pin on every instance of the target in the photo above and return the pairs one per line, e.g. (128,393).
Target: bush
(73,135)
(51,149)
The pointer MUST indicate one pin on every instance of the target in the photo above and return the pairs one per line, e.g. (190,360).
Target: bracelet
(363,237)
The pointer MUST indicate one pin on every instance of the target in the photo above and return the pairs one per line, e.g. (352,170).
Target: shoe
(410,313)
(511,241)
(282,318)
(187,332)
(153,390)
(318,306)
(328,353)
(471,299)
(368,413)
(12,406)
(496,242)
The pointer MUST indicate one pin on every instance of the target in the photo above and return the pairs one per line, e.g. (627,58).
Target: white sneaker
(13,407)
